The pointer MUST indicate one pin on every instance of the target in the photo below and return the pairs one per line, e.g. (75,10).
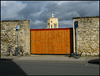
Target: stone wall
(9,35)
(88,35)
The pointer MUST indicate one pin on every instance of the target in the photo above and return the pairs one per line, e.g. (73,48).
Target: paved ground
(49,65)
(48,58)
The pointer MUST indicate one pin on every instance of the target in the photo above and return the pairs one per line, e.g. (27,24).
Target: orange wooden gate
(51,41)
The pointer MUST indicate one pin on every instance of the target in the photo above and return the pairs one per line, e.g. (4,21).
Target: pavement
(48,58)
(48,65)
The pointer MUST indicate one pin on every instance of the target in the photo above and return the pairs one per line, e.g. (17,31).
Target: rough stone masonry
(9,35)
(88,35)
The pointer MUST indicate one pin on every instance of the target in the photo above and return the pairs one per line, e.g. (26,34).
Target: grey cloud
(37,24)
(41,10)
(31,8)
(9,10)
(66,11)
(65,24)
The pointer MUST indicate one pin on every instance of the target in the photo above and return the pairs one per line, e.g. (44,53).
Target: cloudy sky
(39,11)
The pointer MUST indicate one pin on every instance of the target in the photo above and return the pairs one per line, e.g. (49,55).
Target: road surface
(32,67)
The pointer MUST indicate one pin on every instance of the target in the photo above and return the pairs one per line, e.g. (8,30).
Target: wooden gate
(51,41)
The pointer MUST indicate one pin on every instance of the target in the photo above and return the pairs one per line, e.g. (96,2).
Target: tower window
(51,21)
(55,25)
(51,26)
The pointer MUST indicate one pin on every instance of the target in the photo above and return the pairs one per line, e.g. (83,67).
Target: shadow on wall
(71,40)
(94,61)
(9,68)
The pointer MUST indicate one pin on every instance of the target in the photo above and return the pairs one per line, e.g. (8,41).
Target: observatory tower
(52,22)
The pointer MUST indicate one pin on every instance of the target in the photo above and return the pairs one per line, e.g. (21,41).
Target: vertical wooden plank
(39,41)
(59,38)
(42,40)
(59,50)
(49,35)
(32,42)
(36,50)
(34,38)
(57,43)
(50,43)
(46,44)
(63,42)
(68,41)
(52,37)
(53,41)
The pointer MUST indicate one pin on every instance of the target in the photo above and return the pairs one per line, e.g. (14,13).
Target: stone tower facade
(88,35)
(9,35)
(52,22)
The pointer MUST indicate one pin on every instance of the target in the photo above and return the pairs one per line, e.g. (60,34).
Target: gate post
(76,36)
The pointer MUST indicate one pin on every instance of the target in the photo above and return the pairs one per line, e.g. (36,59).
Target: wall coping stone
(13,20)
(86,17)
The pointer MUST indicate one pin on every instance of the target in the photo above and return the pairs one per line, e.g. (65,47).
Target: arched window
(55,25)
(51,26)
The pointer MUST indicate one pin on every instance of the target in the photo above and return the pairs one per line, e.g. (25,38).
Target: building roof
(86,17)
